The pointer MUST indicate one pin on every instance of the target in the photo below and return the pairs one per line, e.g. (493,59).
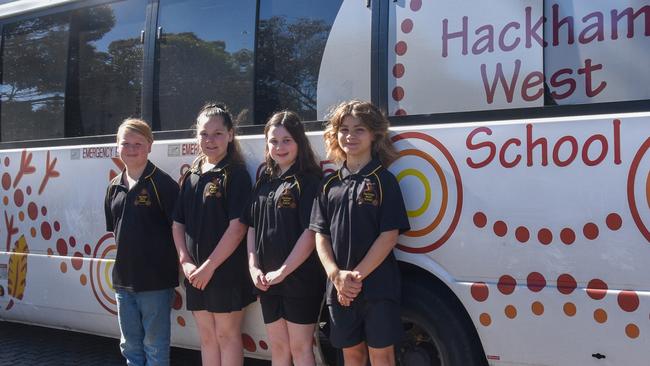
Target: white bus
(523,128)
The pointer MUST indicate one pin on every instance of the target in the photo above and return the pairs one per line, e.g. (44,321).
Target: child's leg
(382,356)
(229,337)
(279,339)
(356,355)
(210,352)
(301,341)
(383,329)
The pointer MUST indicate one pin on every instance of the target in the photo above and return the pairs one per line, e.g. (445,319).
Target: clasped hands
(348,285)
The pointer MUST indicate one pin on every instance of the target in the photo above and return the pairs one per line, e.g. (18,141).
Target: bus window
(451,56)
(585,43)
(205,53)
(74,73)
(302,46)
(104,83)
(34,55)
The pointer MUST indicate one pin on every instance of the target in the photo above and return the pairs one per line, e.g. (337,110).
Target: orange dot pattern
(600,316)
(510,311)
(569,309)
(537,308)
(485,319)
(632,331)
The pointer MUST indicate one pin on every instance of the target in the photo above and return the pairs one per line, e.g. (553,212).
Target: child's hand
(275,277)
(188,269)
(259,280)
(348,284)
(201,276)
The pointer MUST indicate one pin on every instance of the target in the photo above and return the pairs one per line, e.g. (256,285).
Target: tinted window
(76,73)
(205,54)
(291,40)
(105,67)
(34,58)
(597,50)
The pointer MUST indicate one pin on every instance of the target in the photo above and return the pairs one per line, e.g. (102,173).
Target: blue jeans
(145,326)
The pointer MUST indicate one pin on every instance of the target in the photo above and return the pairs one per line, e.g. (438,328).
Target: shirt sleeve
(392,213)
(308,190)
(238,189)
(179,207)
(319,221)
(108,213)
(168,196)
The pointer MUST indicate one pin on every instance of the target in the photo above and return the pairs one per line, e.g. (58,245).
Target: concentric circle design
(100,273)
(432,188)
(638,189)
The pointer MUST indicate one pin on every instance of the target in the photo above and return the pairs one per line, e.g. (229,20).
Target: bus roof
(10,8)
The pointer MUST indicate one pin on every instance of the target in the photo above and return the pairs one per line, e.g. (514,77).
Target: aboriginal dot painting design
(596,291)
(24,218)
(545,236)
(427,171)
(400,48)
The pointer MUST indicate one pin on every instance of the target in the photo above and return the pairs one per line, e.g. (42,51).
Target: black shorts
(377,323)
(218,299)
(298,310)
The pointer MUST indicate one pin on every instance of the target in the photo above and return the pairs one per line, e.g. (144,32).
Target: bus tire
(436,329)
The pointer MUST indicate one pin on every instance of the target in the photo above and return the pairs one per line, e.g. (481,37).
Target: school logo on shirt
(368,194)
(286,199)
(212,189)
(142,199)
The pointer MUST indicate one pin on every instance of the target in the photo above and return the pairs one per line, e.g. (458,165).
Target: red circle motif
(479,291)
(628,300)
(567,236)
(506,284)
(400,48)
(545,236)
(522,234)
(566,284)
(480,220)
(535,282)
(596,289)
(500,228)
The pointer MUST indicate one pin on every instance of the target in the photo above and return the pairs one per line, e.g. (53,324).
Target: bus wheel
(436,329)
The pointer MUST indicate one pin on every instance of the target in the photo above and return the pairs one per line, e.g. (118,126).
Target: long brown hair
(372,118)
(209,110)
(306,159)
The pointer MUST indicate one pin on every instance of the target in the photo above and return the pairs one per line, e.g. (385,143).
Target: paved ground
(30,345)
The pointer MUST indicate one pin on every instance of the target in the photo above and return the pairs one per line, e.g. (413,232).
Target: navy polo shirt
(141,219)
(207,203)
(353,209)
(279,210)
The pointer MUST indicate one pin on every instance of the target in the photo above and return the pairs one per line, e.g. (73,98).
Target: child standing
(138,208)
(208,237)
(281,257)
(357,217)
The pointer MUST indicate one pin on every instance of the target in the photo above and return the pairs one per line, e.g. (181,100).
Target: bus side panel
(540,229)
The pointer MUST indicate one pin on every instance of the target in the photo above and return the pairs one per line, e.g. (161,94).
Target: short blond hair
(136,125)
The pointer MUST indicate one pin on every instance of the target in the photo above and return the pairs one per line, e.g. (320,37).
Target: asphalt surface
(31,345)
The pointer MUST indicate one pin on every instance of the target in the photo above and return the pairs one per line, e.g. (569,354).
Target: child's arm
(300,252)
(178,232)
(379,250)
(226,246)
(344,281)
(253,266)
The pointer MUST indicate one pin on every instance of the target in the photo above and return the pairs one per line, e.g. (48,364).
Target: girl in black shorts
(208,237)
(281,257)
(358,215)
